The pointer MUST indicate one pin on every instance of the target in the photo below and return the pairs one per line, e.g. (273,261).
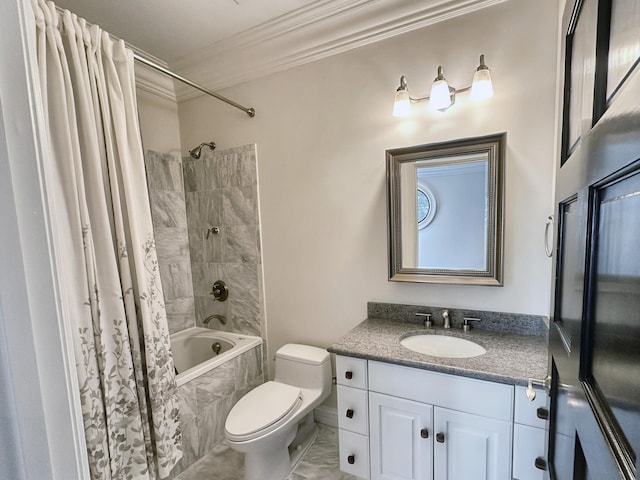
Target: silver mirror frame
(495,148)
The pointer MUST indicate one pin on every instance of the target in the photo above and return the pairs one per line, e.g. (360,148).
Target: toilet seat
(262,410)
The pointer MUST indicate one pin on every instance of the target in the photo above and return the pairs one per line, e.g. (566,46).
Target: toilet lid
(261,408)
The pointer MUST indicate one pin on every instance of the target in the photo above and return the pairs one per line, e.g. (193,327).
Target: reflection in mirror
(445,212)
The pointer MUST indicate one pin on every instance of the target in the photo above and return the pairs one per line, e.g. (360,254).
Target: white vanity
(399,422)
(404,419)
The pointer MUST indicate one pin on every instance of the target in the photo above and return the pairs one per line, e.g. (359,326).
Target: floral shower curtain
(107,255)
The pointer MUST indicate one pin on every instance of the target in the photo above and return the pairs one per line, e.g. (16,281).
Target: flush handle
(348,374)
(424,433)
(350,413)
(351,459)
(440,437)
(542,413)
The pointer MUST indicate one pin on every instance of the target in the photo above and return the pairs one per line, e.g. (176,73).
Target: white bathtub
(193,350)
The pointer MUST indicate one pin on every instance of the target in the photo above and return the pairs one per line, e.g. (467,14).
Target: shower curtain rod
(249,111)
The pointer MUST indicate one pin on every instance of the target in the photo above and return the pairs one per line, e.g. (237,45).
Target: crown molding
(154,82)
(311,33)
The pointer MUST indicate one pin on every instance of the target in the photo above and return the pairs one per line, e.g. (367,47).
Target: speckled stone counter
(511,358)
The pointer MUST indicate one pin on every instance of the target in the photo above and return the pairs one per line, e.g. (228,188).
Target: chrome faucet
(427,319)
(445,318)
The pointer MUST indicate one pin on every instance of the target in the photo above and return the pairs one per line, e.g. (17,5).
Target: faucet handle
(466,326)
(427,319)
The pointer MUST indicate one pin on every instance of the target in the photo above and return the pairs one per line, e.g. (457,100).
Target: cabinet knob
(440,437)
(348,374)
(350,413)
(351,459)
(424,433)
(540,463)
(542,413)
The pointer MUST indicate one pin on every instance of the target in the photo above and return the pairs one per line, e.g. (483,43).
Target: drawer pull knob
(348,374)
(424,433)
(351,459)
(440,437)
(350,413)
(540,463)
(542,413)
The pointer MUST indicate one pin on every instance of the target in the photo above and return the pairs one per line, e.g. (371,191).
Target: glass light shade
(440,97)
(481,87)
(402,104)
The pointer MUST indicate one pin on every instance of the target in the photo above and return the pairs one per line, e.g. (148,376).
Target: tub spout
(220,318)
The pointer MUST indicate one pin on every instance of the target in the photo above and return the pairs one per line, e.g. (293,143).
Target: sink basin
(442,346)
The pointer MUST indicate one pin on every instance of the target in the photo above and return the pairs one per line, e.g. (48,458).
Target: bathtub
(194,350)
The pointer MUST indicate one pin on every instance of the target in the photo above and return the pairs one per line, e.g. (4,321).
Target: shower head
(195,153)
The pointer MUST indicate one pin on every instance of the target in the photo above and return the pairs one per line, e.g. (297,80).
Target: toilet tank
(303,366)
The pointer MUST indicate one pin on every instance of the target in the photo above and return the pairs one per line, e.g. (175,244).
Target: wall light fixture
(442,94)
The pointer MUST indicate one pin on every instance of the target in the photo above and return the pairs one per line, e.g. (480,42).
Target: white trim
(326,415)
(43,381)
(154,82)
(311,33)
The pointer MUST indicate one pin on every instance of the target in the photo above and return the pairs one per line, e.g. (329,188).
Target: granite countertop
(511,358)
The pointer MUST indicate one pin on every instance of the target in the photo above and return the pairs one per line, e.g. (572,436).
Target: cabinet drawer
(529,412)
(528,445)
(479,397)
(353,413)
(351,372)
(354,453)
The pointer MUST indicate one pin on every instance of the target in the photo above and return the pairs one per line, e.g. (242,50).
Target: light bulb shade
(402,103)
(440,97)
(481,87)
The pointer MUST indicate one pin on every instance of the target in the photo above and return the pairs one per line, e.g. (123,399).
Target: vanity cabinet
(444,427)
(433,426)
(529,435)
(353,415)
(401,440)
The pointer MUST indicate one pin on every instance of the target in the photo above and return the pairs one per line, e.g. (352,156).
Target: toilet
(265,422)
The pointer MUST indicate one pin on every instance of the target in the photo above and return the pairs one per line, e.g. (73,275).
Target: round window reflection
(426,206)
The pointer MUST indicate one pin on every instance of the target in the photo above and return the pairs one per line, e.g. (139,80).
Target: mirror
(445,205)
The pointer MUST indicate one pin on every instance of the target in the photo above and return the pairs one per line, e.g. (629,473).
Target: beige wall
(158,112)
(321,131)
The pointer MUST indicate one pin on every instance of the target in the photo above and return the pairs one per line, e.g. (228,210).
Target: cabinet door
(401,438)
(469,447)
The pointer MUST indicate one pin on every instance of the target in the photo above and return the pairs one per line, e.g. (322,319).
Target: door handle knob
(348,374)
(424,433)
(440,437)
(351,459)
(350,413)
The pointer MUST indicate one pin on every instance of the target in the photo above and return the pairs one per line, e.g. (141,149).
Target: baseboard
(326,415)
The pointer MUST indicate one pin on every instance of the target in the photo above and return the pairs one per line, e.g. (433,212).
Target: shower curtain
(95,182)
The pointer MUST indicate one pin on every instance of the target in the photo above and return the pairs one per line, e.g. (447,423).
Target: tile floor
(320,462)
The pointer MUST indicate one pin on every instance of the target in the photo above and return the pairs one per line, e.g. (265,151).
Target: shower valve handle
(220,291)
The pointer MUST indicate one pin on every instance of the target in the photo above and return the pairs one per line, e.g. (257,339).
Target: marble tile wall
(168,211)
(206,401)
(221,191)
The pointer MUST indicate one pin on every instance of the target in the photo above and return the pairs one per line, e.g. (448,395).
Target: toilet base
(270,464)
(277,463)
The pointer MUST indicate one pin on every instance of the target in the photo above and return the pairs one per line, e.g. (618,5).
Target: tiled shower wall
(166,191)
(187,198)
(221,191)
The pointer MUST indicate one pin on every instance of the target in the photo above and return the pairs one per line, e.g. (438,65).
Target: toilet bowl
(266,421)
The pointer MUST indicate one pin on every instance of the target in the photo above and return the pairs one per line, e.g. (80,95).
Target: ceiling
(219,43)
(170,29)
